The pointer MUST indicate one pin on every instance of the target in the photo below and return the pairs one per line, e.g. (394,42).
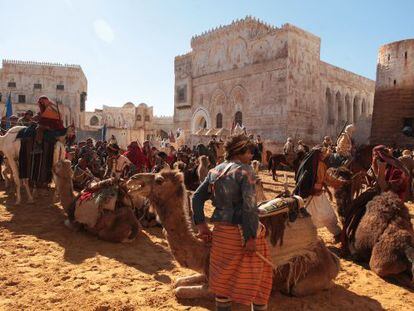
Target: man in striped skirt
(237,272)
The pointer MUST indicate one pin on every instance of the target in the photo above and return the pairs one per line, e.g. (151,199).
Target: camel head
(204,160)
(162,189)
(63,169)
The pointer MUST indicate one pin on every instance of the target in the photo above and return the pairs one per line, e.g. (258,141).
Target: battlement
(32,63)
(248,21)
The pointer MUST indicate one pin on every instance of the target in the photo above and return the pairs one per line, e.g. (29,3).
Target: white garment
(322,213)
(59,152)
(119,165)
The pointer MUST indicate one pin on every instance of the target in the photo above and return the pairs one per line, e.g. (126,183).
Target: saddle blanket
(280,205)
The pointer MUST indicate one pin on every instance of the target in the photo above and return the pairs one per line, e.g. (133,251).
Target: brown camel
(119,225)
(378,230)
(305,266)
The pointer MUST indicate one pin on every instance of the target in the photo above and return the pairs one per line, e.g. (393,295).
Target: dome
(129,105)
(144,105)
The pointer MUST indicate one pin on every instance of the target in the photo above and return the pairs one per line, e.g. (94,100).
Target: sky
(126,48)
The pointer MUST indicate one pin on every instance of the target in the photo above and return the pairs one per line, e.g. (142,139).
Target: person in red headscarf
(390,172)
(49,117)
(136,156)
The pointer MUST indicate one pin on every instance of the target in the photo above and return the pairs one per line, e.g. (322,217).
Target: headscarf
(396,174)
(135,155)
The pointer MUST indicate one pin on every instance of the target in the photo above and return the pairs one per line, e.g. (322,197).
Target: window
(37,86)
(60,87)
(11,84)
(405,55)
(147,118)
(22,99)
(407,128)
(389,56)
(82,101)
(139,117)
(1,95)
(395,82)
(219,121)
(238,118)
(94,121)
(182,94)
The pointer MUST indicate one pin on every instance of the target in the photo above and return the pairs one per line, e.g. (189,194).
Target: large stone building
(394,94)
(26,81)
(269,79)
(128,123)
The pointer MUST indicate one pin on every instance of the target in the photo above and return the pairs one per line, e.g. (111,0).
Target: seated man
(82,176)
(117,164)
(160,162)
(49,119)
(344,145)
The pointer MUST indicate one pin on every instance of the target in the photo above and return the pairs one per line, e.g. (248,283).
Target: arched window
(219,121)
(139,117)
(147,118)
(338,104)
(364,108)
(238,118)
(94,121)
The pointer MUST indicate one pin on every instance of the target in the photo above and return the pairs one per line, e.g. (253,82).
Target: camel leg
(191,280)
(15,173)
(26,186)
(193,292)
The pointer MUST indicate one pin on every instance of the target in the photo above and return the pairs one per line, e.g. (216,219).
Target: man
(302,147)
(391,174)
(313,186)
(87,151)
(212,147)
(117,165)
(408,162)
(327,142)
(289,150)
(26,120)
(344,146)
(49,118)
(82,176)
(160,162)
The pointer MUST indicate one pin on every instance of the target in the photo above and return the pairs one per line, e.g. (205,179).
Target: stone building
(27,81)
(128,123)
(269,79)
(394,94)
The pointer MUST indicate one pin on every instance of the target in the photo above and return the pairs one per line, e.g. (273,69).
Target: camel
(10,146)
(378,230)
(305,267)
(119,225)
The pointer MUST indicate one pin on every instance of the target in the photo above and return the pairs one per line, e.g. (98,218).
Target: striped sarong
(243,278)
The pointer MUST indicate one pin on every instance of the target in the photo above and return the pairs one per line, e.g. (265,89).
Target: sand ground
(45,266)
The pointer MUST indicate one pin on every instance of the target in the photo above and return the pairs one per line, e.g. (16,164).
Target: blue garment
(234,198)
(9,111)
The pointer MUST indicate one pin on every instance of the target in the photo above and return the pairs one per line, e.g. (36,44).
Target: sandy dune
(45,266)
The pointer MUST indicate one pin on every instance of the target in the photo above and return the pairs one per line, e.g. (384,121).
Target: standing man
(344,144)
(289,150)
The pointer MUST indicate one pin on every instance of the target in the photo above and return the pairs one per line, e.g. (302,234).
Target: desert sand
(45,266)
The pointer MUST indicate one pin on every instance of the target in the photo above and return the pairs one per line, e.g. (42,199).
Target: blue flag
(9,111)
(103,133)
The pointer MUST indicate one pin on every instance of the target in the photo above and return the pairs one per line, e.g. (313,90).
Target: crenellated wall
(24,78)
(273,77)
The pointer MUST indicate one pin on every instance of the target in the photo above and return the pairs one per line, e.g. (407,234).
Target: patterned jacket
(233,196)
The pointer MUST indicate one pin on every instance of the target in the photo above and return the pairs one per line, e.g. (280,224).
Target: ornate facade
(129,122)
(26,81)
(269,79)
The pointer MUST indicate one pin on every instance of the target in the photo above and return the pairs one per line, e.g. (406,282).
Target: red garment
(135,155)
(51,123)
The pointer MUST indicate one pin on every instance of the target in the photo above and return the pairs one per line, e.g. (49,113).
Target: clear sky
(126,48)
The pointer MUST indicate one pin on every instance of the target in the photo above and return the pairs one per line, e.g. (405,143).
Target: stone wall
(33,79)
(271,78)
(394,94)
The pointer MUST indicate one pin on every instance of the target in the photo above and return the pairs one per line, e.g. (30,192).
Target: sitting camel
(304,264)
(118,225)
(377,229)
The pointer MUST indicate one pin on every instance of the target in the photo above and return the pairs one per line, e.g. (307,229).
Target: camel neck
(189,251)
(66,195)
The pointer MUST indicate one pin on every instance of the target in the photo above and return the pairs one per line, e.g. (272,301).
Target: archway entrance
(200,120)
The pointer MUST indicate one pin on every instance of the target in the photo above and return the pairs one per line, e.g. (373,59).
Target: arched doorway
(219,121)
(94,121)
(200,120)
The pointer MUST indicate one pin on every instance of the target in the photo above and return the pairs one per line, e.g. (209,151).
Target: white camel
(10,146)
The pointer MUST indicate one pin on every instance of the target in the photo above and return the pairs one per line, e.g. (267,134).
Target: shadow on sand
(44,220)
(336,298)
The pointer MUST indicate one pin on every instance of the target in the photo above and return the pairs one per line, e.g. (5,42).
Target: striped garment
(243,278)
